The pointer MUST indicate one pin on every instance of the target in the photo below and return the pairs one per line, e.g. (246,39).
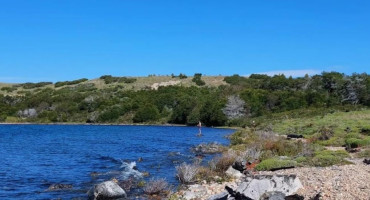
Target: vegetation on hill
(63,83)
(83,101)
(326,111)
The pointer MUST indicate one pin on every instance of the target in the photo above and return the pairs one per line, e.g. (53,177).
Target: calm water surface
(34,156)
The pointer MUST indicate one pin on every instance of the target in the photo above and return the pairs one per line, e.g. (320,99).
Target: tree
(146,113)
(197,79)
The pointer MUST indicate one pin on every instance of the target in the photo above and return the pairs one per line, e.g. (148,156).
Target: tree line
(262,95)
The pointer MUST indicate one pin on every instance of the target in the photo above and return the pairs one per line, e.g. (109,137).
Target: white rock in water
(254,187)
(106,190)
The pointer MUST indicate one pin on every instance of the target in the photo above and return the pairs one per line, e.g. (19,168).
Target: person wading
(200,129)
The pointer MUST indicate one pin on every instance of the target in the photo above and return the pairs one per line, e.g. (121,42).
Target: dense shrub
(328,158)
(265,97)
(235,79)
(181,76)
(8,89)
(356,142)
(110,115)
(211,113)
(34,85)
(63,83)
(197,79)
(274,163)
(112,79)
(146,113)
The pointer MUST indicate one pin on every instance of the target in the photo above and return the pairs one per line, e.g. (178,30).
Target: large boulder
(234,173)
(254,187)
(106,190)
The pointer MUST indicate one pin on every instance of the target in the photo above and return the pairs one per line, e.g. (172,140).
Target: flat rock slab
(254,187)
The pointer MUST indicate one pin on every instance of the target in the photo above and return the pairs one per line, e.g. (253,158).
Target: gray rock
(106,190)
(273,196)
(221,196)
(234,173)
(254,187)
(195,191)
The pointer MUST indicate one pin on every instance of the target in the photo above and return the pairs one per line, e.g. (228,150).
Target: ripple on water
(36,156)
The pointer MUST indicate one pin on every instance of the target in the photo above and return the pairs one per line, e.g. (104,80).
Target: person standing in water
(199,128)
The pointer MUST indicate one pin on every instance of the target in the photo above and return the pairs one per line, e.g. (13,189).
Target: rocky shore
(334,182)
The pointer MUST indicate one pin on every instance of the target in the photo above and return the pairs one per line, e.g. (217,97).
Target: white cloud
(293,73)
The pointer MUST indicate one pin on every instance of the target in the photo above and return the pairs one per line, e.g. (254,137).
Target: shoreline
(91,124)
(112,124)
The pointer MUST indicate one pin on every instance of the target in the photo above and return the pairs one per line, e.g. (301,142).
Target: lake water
(32,157)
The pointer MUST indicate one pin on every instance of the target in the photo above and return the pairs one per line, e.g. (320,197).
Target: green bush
(182,76)
(234,79)
(365,130)
(146,113)
(327,158)
(301,159)
(355,142)
(197,79)
(109,115)
(8,89)
(63,83)
(2,118)
(34,85)
(113,79)
(274,163)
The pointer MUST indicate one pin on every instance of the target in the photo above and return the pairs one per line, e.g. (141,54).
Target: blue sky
(42,40)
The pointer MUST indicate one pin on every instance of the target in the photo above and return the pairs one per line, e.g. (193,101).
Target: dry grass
(156,187)
(186,173)
(222,163)
(141,83)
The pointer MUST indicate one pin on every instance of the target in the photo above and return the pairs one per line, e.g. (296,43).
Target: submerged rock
(59,186)
(209,148)
(367,161)
(106,190)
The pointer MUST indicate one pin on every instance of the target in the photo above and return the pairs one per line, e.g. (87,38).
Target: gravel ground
(336,182)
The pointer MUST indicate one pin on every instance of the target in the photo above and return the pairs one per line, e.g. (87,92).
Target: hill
(214,100)
(139,84)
